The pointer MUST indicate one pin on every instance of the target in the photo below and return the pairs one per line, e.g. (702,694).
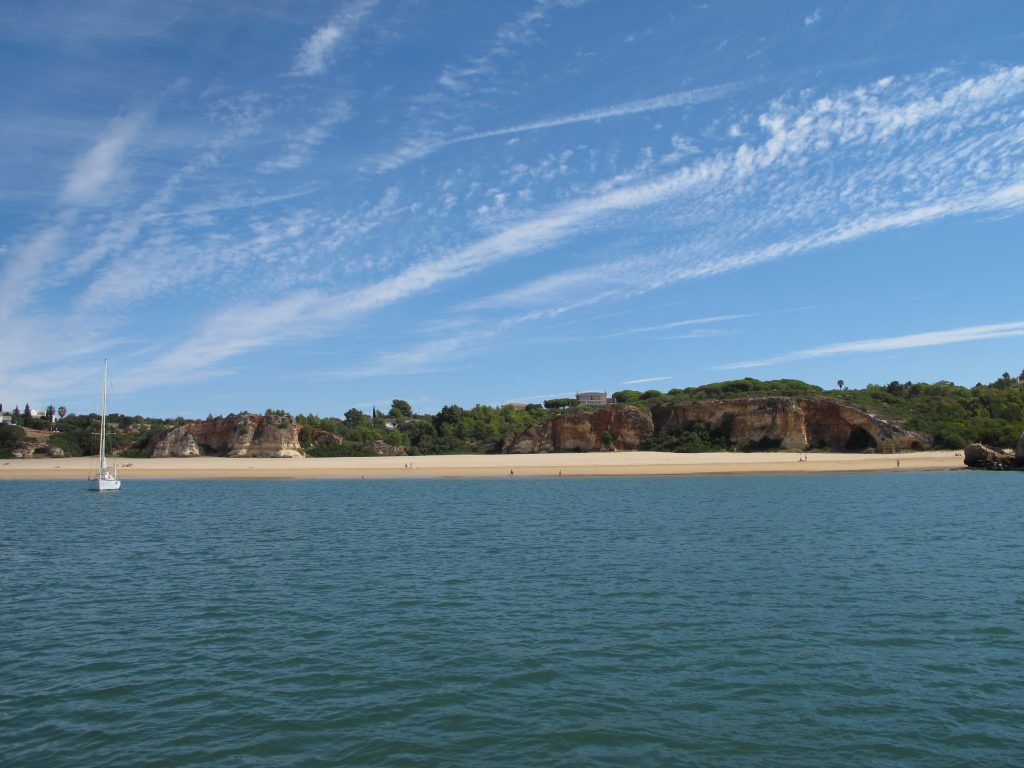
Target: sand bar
(637,463)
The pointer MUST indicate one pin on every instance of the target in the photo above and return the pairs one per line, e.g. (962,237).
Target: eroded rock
(617,428)
(243,435)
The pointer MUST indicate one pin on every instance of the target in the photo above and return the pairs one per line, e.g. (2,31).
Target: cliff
(584,431)
(242,435)
(786,423)
(789,423)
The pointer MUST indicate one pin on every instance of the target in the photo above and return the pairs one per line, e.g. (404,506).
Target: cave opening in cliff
(861,440)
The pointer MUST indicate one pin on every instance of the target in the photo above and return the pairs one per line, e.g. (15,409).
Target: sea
(812,620)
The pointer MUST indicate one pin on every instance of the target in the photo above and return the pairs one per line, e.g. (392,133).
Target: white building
(592,398)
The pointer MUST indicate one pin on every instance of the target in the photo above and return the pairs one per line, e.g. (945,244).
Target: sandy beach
(640,463)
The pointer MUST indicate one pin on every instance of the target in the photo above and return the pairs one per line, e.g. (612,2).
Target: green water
(843,620)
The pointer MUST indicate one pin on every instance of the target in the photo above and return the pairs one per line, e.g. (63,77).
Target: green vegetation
(697,439)
(992,414)
(719,391)
(952,415)
(10,436)
(452,430)
(78,435)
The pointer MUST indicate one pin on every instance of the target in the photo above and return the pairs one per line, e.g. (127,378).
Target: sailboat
(105,479)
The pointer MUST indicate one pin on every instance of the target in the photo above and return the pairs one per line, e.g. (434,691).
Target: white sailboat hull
(105,484)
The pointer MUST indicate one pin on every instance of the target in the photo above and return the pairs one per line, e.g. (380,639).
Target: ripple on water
(841,620)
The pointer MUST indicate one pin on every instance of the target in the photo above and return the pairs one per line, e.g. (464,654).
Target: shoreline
(617,464)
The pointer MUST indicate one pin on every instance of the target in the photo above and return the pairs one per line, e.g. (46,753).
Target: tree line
(953,415)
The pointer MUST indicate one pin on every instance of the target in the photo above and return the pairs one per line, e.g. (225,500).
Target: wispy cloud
(676,324)
(318,49)
(299,146)
(961,138)
(426,145)
(911,155)
(648,380)
(103,163)
(911,341)
(510,35)
(814,18)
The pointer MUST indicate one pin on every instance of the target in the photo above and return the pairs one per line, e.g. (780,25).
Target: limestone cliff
(786,423)
(789,423)
(584,431)
(246,434)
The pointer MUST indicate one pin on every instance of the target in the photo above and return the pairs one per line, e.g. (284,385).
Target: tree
(62,411)
(559,402)
(400,408)
(450,414)
(355,417)
(841,384)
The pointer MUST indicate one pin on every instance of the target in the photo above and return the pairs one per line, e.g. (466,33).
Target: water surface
(843,620)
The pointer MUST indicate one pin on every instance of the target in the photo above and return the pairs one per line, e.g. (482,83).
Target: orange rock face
(243,435)
(790,423)
(785,423)
(584,431)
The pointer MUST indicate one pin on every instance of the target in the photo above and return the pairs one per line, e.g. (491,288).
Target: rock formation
(584,431)
(786,423)
(246,435)
(789,423)
(36,442)
(978,456)
(384,448)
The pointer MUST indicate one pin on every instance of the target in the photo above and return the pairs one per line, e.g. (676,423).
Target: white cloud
(317,51)
(911,156)
(728,211)
(648,380)
(299,146)
(676,324)
(814,18)
(102,164)
(424,146)
(516,33)
(911,341)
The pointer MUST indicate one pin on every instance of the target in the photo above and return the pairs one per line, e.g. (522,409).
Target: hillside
(890,417)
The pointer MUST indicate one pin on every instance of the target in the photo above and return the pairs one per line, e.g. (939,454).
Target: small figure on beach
(511,473)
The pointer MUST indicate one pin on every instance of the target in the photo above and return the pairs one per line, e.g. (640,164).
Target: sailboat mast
(103,421)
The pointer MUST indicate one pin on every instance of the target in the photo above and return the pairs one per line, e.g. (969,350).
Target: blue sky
(320,205)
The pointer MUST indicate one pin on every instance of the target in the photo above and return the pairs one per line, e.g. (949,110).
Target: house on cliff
(592,398)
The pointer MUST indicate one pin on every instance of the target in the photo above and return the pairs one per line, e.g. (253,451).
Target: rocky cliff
(242,435)
(786,423)
(789,423)
(584,431)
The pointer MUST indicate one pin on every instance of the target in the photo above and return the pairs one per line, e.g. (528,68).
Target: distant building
(592,398)
(6,418)
(515,406)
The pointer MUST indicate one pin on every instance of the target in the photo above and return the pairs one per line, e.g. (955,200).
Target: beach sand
(638,463)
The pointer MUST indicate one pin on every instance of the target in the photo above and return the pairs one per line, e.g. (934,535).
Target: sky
(324,205)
